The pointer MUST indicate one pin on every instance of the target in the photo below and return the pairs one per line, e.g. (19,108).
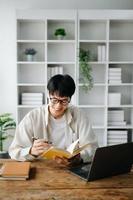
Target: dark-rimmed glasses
(64,102)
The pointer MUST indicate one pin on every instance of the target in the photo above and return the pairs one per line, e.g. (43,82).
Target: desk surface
(50,182)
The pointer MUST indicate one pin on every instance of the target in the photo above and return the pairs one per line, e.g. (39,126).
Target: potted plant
(60,33)
(85,69)
(6,123)
(30,52)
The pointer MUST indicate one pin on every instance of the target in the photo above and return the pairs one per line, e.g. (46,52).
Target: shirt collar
(68,115)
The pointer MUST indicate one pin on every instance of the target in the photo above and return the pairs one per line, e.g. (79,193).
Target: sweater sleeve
(22,142)
(86,135)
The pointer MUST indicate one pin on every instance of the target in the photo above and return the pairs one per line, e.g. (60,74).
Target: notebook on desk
(107,161)
(14,170)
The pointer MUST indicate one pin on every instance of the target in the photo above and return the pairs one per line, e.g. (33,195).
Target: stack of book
(115,75)
(116,118)
(54,70)
(114,99)
(117,137)
(15,170)
(101,53)
(32,99)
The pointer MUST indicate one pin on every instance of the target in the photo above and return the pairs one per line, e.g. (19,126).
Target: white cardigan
(35,124)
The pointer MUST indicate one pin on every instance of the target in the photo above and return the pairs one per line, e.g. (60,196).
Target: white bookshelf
(35,29)
(114,30)
(85,29)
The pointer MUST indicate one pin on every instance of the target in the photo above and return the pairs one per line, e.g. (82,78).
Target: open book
(15,171)
(71,151)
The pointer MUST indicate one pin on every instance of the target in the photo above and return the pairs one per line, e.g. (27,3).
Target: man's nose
(59,104)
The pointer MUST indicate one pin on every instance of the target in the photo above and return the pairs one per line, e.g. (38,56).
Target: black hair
(62,85)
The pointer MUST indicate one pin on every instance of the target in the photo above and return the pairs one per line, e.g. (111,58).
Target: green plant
(60,31)
(85,69)
(6,123)
(30,51)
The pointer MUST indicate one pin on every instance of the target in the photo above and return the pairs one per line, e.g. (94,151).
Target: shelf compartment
(126,93)
(121,52)
(22,111)
(39,56)
(30,30)
(101,136)
(61,52)
(96,96)
(128,117)
(30,89)
(96,116)
(37,75)
(126,72)
(93,30)
(93,49)
(121,30)
(53,69)
(98,73)
(68,25)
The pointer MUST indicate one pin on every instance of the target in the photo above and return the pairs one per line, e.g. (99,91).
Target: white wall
(8,37)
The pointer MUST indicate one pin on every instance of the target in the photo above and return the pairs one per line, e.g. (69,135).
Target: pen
(34,138)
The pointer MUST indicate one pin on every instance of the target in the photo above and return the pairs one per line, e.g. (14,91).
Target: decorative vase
(29,57)
(60,37)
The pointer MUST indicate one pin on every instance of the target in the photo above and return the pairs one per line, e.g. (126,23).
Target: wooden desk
(50,182)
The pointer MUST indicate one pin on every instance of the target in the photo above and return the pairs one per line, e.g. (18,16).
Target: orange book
(71,151)
(15,171)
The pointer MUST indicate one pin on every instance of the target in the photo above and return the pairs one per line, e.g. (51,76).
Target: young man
(58,123)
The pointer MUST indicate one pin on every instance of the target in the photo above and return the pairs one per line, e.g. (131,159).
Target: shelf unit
(114,30)
(88,30)
(35,29)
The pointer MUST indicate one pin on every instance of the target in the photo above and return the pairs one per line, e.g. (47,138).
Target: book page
(52,152)
(73,146)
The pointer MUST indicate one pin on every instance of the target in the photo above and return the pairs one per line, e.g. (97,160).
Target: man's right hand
(39,146)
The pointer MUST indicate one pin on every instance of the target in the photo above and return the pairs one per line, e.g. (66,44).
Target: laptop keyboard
(81,171)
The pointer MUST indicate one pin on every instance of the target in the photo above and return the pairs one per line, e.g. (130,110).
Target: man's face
(58,105)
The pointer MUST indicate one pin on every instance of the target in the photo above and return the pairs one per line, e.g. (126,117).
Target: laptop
(107,161)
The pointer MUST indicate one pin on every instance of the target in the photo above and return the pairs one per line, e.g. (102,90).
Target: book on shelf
(112,69)
(55,70)
(117,123)
(114,75)
(115,81)
(32,102)
(116,115)
(32,94)
(118,140)
(70,152)
(111,77)
(117,132)
(117,136)
(14,170)
(101,53)
(32,99)
(114,99)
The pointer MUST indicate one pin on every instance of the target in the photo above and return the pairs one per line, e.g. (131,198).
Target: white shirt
(35,124)
(57,129)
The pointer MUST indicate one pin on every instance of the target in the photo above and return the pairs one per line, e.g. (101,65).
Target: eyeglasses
(64,102)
